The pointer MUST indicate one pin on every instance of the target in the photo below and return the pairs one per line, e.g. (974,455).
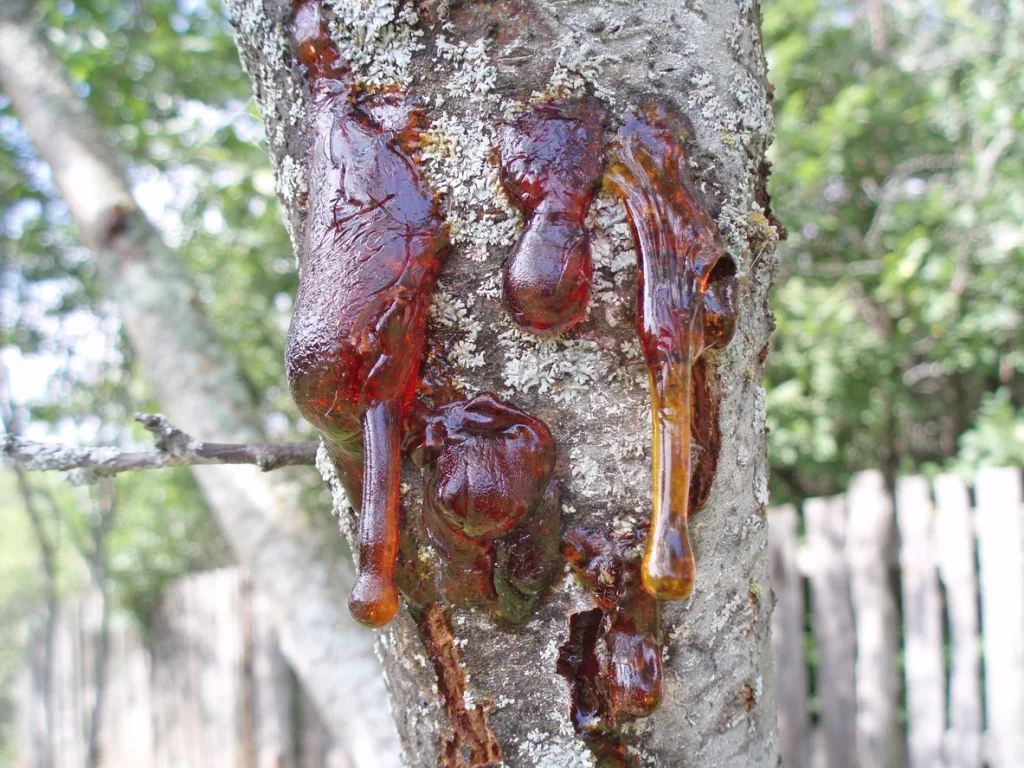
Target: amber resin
(552,157)
(686,306)
(490,504)
(373,243)
(612,658)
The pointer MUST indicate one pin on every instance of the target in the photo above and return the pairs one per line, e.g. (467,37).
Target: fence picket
(922,622)
(788,638)
(955,549)
(825,521)
(317,749)
(213,689)
(1001,554)
(869,551)
(273,694)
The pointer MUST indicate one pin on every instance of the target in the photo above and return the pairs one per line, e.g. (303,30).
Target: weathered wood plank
(66,685)
(171,675)
(198,676)
(788,638)
(922,624)
(1001,554)
(955,552)
(31,733)
(217,692)
(869,550)
(826,523)
(127,722)
(317,748)
(274,691)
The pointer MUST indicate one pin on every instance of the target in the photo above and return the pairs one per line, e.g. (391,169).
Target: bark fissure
(469,730)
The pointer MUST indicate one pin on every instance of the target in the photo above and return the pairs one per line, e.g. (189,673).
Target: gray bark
(589,385)
(294,565)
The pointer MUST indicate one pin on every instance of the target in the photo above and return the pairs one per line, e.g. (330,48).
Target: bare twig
(890,194)
(174,448)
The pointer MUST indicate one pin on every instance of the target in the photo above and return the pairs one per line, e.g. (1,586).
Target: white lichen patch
(562,368)
(542,750)
(573,75)
(490,288)
(451,313)
(611,246)
(472,76)
(378,38)
(457,162)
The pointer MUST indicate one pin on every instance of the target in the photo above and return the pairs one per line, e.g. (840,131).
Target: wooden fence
(896,634)
(908,604)
(208,689)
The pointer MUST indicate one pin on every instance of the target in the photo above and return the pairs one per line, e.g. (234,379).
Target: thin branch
(174,448)
(891,189)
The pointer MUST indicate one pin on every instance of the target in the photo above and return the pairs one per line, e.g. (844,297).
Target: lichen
(456,156)
(378,38)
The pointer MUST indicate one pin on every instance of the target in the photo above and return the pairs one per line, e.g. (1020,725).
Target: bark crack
(470,732)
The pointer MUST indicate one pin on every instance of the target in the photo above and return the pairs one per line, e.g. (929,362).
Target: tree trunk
(293,564)
(470,62)
(42,669)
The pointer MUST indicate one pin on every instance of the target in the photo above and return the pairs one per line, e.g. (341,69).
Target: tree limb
(174,448)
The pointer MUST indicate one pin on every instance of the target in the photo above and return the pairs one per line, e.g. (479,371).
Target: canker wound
(686,306)
(490,503)
(612,657)
(372,246)
(551,162)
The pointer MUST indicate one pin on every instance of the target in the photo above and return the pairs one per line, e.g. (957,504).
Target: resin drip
(685,297)
(612,658)
(490,505)
(552,158)
(372,246)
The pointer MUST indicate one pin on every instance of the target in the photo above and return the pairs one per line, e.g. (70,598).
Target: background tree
(899,338)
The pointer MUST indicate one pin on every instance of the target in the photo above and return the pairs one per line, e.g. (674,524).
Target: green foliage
(163,79)
(897,171)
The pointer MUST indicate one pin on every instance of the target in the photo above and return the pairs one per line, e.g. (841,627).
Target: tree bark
(471,62)
(293,564)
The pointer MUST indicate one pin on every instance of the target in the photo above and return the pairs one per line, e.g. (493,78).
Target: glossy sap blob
(612,658)
(686,306)
(490,504)
(551,162)
(372,246)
